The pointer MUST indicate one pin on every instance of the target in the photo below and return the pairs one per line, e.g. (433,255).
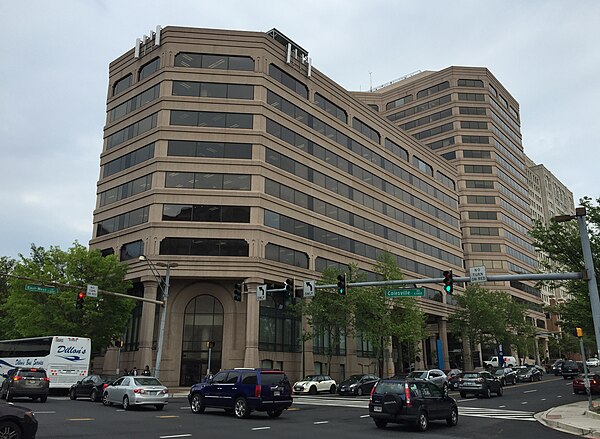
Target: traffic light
(578,332)
(79,302)
(119,343)
(341,287)
(289,288)
(237,292)
(448,282)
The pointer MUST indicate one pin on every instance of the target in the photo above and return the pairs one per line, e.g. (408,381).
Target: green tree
(562,243)
(29,314)
(485,317)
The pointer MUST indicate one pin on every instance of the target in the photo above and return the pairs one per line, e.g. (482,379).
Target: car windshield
(390,387)
(309,377)
(500,372)
(273,378)
(470,375)
(147,381)
(354,378)
(418,374)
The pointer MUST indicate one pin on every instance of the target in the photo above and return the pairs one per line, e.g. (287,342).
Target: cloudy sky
(54,58)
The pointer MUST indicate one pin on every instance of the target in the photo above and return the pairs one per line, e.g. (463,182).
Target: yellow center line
(167,416)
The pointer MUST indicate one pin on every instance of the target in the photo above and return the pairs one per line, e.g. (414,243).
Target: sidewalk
(572,418)
(179,392)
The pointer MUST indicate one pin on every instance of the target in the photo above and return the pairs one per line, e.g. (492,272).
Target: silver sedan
(130,391)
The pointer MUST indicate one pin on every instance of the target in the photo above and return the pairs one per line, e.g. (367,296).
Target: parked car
(243,391)
(506,375)
(453,375)
(479,383)
(579,384)
(509,361)
(411,401)
(557,367)
(436,376)
(570,369)
(357,385)
(130,391)
(92,387)
(17,422)
(551,365)
(592,362)
(25,381)
(314,384)
(528,373)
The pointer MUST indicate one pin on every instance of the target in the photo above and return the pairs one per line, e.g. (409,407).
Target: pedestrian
(146,371)
(125,371)
(134,371)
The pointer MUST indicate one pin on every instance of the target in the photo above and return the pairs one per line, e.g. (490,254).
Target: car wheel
(106,399)
(487,393)
(463,395)
(359,391)
(94,396)
(10,430)
(540,377)
(274,413)
(380,423)
(422,422)
(9,396)
(126,405)
(565,377)
(332,388)
(43,398)
(159,407)
(197,405)
(453,419)
(72,394)
(313,390)
(241,408)
(500,391)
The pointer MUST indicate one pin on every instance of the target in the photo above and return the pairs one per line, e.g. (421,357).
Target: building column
(251,355)
(145,355)
(443,334)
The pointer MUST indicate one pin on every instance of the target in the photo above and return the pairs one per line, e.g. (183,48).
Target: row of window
(442,143)
(285,255)
(476,154)
(211,119)
(433,89)
(123,221)
(434,131)
(213,90)
(317,234)
(204,247)
(212,61)
(475,111)
(419,108)
(128,160)
(126,190)
(331,108)
(206,213)
(208,180)
(366,130)
(288,81)
(134,103)
(131,131)
(218,150)
(427,119)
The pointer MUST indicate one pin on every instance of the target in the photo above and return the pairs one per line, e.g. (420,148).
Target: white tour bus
(65,359)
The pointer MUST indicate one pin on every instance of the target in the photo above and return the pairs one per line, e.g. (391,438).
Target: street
(319,416)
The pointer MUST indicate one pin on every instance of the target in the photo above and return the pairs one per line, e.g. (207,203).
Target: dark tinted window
(122,84)
(220,377)
(249,378)
(389,387)
(147,381)
(232,378)
(149,68)
(39,373)
(273,378)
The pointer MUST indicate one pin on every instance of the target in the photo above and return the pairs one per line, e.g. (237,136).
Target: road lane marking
(167,416)
(81,419)
(44,413)
(320,422)
(501,406)
(365,416)
(529,391)
(293,409)
(543,399)
(524,402)
(175,435)
(260,428)
(559,396)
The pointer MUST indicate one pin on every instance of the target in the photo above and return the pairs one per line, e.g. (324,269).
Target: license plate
(277,393)
(376,408)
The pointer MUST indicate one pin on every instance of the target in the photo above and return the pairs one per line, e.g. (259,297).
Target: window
(129,160)
(470,83)
(474,97)
(288,81)
(149,68)
(213,90)
(434,89)
(211,119)
(211,61)
(131,131)
(441,143)
(279,328)
(123,221)
(134,103)
(331,108)
(122,84)
(126,190)
(206,213)
(473,125)
(186,148)
(434,131)
(483,247)
(477,111)
(419,108)
(483,215)
(478,169)
(476,139)
(480,184)
(366,130)
(286,255)
(485,231)
(396,149)
(203,247)
(423,167)
(476,154)
(132,250)
(481,199)
(204,180)
(427,119)
(399,102)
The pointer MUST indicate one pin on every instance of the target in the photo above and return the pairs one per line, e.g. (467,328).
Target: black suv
(242,391)
(25,381)
(570,369)
(411,401)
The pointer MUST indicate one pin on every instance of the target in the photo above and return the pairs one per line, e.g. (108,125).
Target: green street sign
(40,289)
(406,292)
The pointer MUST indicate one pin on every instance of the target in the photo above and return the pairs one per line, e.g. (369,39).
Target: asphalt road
(322,416)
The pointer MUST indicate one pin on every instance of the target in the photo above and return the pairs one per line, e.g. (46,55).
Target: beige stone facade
(228,154)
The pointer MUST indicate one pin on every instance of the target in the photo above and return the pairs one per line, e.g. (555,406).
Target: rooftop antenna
(370,81)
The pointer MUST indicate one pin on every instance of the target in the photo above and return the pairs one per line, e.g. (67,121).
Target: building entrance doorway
(202,328)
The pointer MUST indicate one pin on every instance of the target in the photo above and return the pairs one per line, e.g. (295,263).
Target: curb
(555,421)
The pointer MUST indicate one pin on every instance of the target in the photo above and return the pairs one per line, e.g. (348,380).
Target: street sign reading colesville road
(405,292)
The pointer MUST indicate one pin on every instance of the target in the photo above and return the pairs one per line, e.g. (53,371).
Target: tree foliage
(562,243)
(31,314)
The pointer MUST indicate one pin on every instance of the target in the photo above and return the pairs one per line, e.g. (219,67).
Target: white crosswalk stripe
(480,412)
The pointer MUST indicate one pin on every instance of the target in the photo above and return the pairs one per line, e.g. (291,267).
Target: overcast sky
(54,58)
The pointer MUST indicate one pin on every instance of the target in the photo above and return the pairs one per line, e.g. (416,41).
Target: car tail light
(104,386)
(257,390)
(46,379)
(372,391)
(139,391)
(407,395)
(17,378)
(164,391)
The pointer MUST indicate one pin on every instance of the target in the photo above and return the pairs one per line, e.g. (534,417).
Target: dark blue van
(242,391)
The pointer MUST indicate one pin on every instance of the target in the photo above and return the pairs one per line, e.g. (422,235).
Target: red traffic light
(81,295)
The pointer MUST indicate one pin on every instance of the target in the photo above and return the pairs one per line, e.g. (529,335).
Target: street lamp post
(164,286)
(580,215)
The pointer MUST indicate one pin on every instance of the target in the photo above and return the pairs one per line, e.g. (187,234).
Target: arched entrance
(202,323)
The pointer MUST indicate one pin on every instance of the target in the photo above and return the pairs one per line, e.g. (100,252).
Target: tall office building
(230,158)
